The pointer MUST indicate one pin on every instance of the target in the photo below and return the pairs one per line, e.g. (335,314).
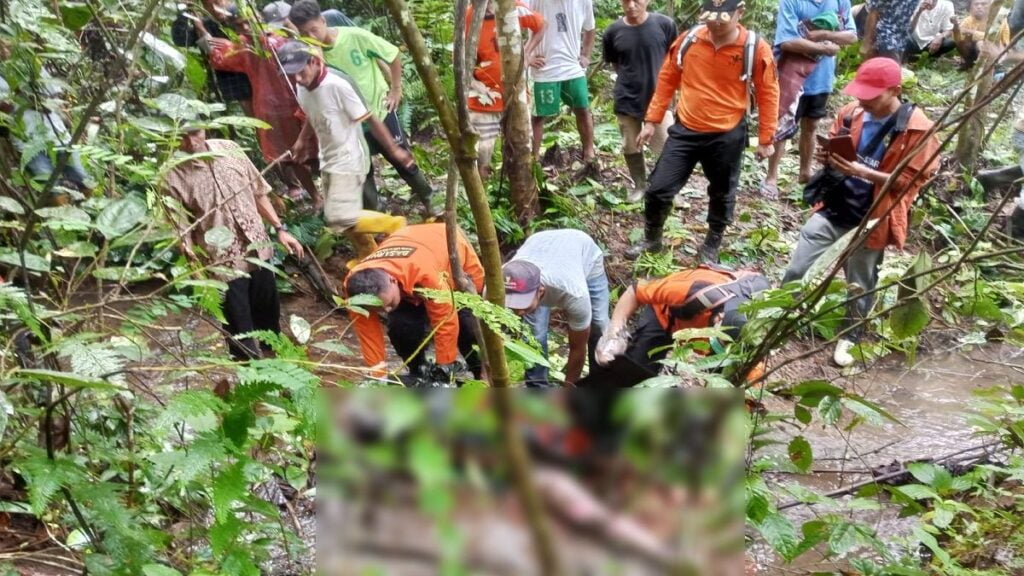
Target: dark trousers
(637,364)
(411,175)
(408,326)
(720,154)
(251,304)
(913,50)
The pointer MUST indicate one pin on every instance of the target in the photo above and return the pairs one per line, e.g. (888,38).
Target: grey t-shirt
(567,259)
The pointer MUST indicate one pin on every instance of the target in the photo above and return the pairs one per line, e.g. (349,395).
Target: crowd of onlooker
(329,92)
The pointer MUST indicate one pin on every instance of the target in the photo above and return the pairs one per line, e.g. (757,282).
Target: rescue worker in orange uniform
(701,297)
(415,257)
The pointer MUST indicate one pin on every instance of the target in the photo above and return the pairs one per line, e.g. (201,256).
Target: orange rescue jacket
(673,291)
(892,229)
(417,257)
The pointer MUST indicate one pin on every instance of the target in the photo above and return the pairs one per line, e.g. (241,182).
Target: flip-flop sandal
(769,191)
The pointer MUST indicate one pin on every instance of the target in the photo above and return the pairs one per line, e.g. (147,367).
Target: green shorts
(548,96)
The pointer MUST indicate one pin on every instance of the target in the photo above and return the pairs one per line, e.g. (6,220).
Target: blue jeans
(41,167)
(539,320)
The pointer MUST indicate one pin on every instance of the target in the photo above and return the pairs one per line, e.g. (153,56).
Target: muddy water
(931,399)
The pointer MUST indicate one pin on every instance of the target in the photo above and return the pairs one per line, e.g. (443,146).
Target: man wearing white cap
(884,130)
(563,270)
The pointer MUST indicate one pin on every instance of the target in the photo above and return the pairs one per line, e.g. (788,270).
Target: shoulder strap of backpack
(688,41)
(847,123)
(749,47)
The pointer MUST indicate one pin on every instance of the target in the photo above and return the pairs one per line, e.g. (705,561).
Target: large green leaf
(65,217)
(33,262)
(11,205)
(195,71)
(75,15)
(524,353)
(239,122)
(780,533)
(120,216)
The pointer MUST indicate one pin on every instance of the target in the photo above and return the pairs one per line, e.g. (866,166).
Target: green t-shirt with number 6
(353,53)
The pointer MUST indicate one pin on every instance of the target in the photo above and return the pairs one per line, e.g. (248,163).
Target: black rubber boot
(423,191)
(1016,223)
(708,252)
(654,228)
(992,180)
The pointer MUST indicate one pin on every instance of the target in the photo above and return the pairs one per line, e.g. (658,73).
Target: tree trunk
(971,136)
(490,256)
(517,130)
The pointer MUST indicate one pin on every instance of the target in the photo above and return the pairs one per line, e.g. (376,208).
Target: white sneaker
(842,356)
(681,200)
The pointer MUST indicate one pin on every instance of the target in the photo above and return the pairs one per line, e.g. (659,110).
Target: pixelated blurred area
(631,482)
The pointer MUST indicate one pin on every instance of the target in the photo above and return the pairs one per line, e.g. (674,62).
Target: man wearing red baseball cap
(884,131)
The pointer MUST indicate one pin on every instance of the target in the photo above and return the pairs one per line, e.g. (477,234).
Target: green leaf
(65,217)
(75,15)
(917,491)
(219,237)
(120,216)
(206,283)
(779,532)
(943,515)
(301,329)
(929,540)
(159,570)
(45,477)
(65,378)
(198,409)
(935,476)
(8,204)
(239,122)
(195,71)
(846,537)
(228,488)
(830,409)
(95,360)
(800,453)
(814,388)
(80,249)
(867,408)
(909,319)
(525,353)
(335,347)
(278,372)
(803,415)
(33,262)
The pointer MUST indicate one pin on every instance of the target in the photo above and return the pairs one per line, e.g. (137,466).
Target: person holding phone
(883,130)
